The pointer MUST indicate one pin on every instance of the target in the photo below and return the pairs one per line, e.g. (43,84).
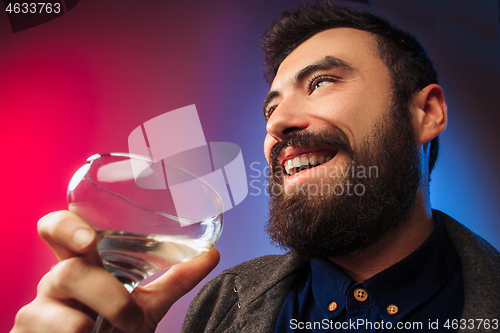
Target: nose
(286,119)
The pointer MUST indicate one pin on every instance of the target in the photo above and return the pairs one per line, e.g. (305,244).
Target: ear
(430,113)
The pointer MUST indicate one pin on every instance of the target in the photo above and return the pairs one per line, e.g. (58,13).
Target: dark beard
(326,223)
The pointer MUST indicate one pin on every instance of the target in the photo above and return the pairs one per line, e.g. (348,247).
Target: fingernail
(82,238)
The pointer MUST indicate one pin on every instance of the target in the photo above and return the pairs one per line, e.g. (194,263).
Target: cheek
(354,112)
(341,110)
(269,142)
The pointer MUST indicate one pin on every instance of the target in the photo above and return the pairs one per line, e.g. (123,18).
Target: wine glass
(148,214)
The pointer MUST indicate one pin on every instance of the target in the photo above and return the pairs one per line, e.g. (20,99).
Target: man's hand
(77,288)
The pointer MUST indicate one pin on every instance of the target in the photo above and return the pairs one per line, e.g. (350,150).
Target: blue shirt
(423,292)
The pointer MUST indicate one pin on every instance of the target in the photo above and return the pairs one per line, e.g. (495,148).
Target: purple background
(81,83)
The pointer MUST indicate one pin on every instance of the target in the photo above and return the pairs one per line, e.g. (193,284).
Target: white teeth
(298,162)
(289,167)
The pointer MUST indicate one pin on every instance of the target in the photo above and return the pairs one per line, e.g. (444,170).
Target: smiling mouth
(306,161)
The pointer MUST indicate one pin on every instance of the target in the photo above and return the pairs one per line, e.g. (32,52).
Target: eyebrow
(327,63)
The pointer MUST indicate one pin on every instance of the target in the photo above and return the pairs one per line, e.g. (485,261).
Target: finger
(160,294)
(94,287)
(67,234)
(47,315)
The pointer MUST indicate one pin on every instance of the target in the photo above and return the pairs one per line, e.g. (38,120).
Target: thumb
(158,296)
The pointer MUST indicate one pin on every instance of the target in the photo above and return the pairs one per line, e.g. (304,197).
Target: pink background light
(79,84)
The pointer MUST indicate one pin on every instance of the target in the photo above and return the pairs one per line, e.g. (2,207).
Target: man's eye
(269,112)
(321,81)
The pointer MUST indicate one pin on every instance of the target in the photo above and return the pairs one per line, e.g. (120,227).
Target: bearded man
(351,93)
(353,116)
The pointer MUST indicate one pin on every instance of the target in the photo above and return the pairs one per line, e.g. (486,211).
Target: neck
(394,247)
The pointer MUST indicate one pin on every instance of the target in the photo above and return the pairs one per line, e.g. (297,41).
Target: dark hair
(406,59)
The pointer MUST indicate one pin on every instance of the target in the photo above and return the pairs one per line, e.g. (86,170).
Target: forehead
(356,47)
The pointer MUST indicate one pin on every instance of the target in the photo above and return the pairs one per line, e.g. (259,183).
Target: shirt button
(360,294)
(333,306)
(392,309)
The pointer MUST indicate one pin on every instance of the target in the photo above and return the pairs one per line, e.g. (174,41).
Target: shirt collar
(407,284)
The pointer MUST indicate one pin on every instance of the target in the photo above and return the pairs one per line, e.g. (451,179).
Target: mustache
(335,139)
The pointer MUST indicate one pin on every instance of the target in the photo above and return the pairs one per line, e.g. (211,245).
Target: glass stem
(98,324)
